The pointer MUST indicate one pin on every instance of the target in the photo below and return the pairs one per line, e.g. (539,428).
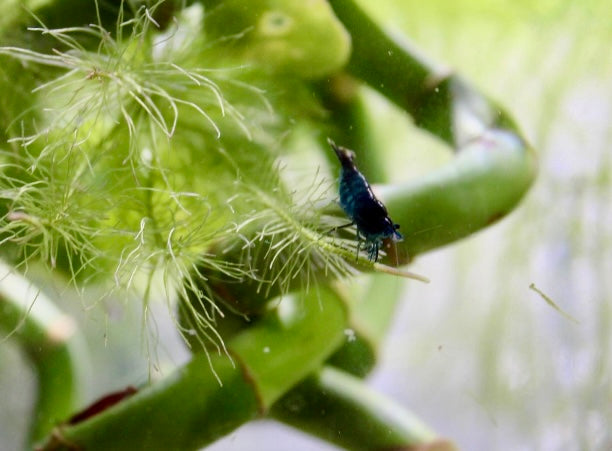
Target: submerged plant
(133,160)
(151,141)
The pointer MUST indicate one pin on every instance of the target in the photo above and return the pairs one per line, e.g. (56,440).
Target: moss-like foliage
(143,151)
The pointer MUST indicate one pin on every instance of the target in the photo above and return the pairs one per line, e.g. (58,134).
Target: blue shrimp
(360,204)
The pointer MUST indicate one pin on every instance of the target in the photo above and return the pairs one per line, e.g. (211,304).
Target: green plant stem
(484,183)
(398,71)
(494,166)
(186,410)
(341,409)
(388,66)
(352,126)
(371,315)
(50,340)
(190,408)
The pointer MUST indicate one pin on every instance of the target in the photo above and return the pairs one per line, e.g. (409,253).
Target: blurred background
(477,354)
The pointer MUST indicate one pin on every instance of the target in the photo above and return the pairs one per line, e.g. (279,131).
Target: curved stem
(190,409)
(51,341)
(484,183)
(341,409)
(494,166)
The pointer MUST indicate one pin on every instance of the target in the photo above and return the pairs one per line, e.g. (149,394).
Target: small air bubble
(350,335)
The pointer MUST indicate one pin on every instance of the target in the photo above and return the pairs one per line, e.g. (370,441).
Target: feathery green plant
(147,140)
(133,160)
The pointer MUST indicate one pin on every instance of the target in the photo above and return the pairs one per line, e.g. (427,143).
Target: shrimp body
(358,201)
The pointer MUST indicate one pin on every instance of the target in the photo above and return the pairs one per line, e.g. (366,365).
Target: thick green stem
(187,410)
(51,341)
(494,166)
(190,408)
(371,314)
(430,94)
(388,66)
(483,184)
(352,126)
(341,409)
